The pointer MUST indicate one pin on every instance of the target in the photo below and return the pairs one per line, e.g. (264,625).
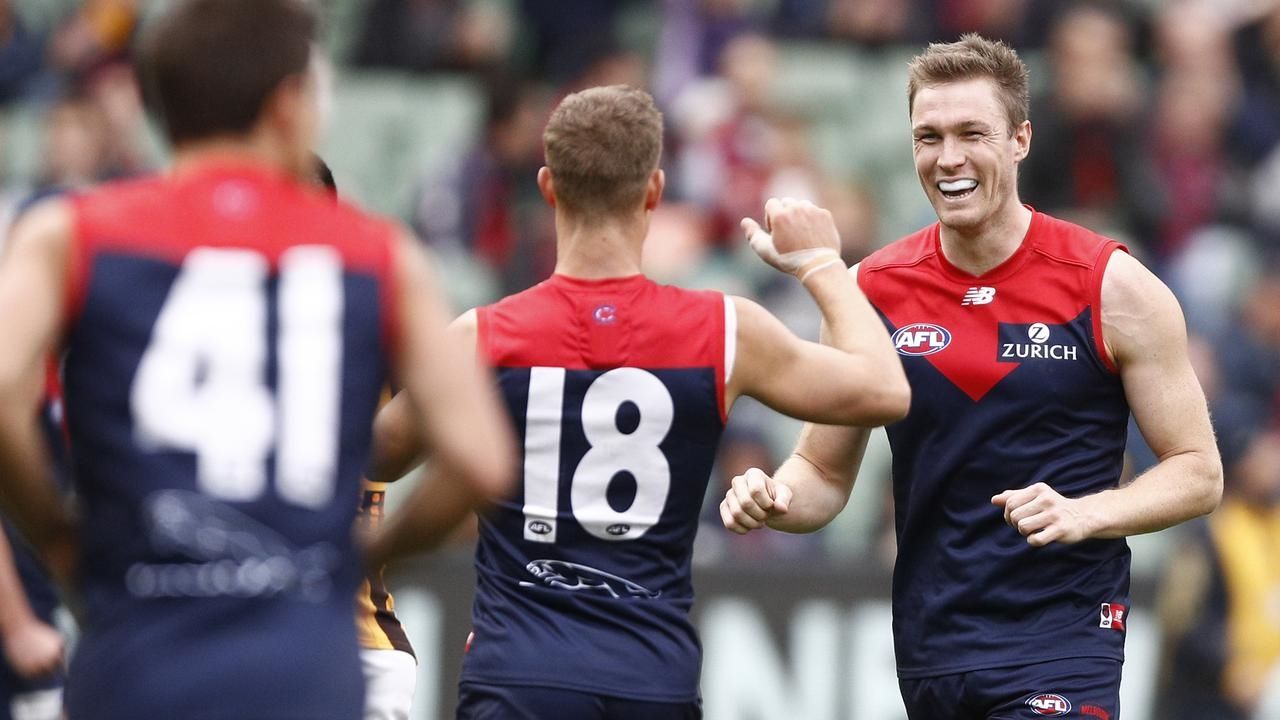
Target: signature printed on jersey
(572,576)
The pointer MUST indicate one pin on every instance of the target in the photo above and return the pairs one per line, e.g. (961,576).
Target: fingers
(772,207)
(1041,515)
(735,518)
(1011,500)
(753,497)
(730,522)
(750,228)
(781,498)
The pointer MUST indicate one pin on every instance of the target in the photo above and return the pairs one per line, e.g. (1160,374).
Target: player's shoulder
(536,297)
(897,262)
(1068,242)
(118,202)
(342,219)
(907,251)
(662,299)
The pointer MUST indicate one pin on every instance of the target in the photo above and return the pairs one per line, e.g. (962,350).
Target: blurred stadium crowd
(1155,122)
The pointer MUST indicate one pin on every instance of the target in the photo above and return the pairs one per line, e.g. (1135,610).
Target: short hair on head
(601,145)
(208,66)
(974,56)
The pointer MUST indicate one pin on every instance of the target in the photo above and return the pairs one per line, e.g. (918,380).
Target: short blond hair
(601,146)
(974,56)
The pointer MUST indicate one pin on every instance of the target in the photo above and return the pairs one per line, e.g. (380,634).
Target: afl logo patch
(921,339)
(605,314)
(1049,705)
(538,527)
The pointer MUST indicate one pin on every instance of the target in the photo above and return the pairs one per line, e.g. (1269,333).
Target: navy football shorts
(1072,688)
(524,702)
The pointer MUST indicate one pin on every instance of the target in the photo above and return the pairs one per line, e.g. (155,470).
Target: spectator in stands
(99,31)
(1250,347)
(1091,167)
(1257,124)
(113,88)
(433,35)
(1218,602)
(736,146)
(21,55)
(487,204)
(1193,105)
(75,148)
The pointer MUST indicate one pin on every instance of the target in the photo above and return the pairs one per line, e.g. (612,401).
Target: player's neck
(981,249)
(248,151)
(599,249)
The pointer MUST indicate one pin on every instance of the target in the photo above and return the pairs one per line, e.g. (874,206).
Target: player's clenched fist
(1043,516)
(33,649)
(753,498)
(798,237)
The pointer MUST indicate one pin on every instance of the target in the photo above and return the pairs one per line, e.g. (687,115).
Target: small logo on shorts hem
(1095,711)
(1113,616)
(1049,704)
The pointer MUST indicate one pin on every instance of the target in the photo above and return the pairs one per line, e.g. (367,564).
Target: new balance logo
(979,296)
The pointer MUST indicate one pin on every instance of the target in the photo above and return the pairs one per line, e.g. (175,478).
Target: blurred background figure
(1090,163)
(486,205)
(432,36)
(1220,603)
(21,55)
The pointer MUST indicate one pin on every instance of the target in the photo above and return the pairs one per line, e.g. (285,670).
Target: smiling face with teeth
(967,155)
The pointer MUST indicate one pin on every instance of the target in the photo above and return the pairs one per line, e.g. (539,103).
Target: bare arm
(31,647)
(814,483)
(397,441)
(447,494)
(1144,331)
(32,289)
(853,378)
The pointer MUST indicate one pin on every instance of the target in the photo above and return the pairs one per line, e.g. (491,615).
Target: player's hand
(1043,516)
(33,649)
(752,500)
(798,237)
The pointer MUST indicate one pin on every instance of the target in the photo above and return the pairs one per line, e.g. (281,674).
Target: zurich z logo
(979,296)
(921,339)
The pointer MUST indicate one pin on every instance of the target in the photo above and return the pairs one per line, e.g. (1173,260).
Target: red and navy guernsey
(228,337)
(616,390)
(1011,385)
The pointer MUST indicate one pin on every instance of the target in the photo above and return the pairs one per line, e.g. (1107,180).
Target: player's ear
(653,189)
(283,107)
(1022,138)
(290,114)
(546,185)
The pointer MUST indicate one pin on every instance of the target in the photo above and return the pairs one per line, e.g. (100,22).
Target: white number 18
(611,451)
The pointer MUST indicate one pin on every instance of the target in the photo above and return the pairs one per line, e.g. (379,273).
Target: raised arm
(453,411)
(855,380)
(1144,332)
(851,381)
(32,291)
